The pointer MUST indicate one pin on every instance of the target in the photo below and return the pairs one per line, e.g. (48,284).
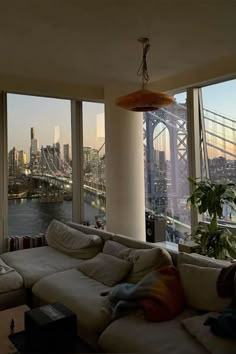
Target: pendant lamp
(144,100)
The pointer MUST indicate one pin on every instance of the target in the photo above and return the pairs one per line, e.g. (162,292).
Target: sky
(44,114)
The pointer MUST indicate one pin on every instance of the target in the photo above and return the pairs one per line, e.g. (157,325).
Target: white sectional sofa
(52,275)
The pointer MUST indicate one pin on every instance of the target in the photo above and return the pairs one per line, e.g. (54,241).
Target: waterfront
(29,216)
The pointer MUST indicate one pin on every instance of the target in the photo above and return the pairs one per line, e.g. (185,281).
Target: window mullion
(3,172)
(77,161)
(194,144)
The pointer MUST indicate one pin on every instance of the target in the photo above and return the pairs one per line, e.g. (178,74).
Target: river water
(29,216)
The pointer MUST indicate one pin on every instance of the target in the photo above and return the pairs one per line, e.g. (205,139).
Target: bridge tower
(157,177)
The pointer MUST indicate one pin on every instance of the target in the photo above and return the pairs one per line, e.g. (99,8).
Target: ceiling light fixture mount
(144,100)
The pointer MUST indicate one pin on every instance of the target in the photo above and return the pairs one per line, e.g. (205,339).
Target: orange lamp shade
(144,101)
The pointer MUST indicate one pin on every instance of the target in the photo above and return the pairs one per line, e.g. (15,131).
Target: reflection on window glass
(94,164)
(166,167)
(219,136)
(39,163)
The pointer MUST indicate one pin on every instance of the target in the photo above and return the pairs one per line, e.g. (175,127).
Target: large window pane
(166,167)
(39,161)
(219,136)
(94,163)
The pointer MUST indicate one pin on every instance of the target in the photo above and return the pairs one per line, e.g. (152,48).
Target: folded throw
(225,325)
(159,295)
(5,269)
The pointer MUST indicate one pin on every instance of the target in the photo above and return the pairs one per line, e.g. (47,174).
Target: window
(166,166)
(218,113)
(94,163)
(39,163)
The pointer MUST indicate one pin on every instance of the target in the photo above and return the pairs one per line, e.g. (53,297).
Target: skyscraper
(32,133)
(66,153)
(162,160)
(22,158)
(13,162)
(34,148)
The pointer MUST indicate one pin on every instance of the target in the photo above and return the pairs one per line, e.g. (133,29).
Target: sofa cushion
(143,260)
(9,278)
(104,234)
(201,261)
(36,263)
(73,242)
(199,285)
(79,293)
(132,334)
(131,242)
(215,345)
(106,269)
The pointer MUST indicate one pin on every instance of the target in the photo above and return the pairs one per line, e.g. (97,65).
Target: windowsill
(169,246)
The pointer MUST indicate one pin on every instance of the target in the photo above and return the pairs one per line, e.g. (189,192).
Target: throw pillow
(73,242)
(143,260)
(215,345)
(106,269)
(199,285)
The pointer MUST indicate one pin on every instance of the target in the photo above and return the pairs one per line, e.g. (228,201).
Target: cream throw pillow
(73,242)
(215,345)
(199,285)
(143,260)
(106,269)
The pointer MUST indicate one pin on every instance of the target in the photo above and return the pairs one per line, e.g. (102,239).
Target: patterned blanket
(159,295)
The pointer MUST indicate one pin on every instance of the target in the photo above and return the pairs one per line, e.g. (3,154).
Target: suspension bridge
(165,155)
(166,175)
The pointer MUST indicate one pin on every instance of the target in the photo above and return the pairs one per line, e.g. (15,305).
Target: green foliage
(214,241)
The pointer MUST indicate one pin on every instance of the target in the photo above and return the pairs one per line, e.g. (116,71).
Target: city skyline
(46,113)
(54,142)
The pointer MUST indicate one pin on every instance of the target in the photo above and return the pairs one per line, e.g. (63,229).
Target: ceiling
(94,42)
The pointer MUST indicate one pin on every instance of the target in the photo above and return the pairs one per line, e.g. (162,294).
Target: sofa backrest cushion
(106,269)
(105,235)
(73,242)
(124,240)
(143,260)
(201,261)
(200,288)
(131,242)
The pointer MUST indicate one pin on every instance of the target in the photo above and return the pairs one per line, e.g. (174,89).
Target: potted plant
(214,240)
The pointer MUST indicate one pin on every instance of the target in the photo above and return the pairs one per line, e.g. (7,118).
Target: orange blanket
(165,298)
(159,295)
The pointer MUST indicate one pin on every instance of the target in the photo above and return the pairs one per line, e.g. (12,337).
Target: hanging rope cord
(143,70)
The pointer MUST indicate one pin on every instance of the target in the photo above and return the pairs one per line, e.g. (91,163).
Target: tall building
(22,158)
(94,154)
(32,133)
(34,148)
(13,162)
(156,156)
(66,153)
(162,160)
(87,153)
